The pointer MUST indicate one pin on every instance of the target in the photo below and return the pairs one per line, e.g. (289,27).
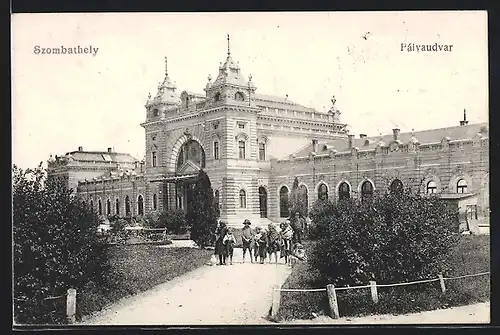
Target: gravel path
(232,294)
(471,314)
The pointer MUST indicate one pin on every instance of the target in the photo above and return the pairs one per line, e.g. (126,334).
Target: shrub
(201,215)
(393,238)
(152,220)
(56,246)
(319,215)
(175,220)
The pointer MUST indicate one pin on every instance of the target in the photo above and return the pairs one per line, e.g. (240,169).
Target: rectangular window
(472,212)
(216,150)
(153,159)
(241,149)
(241,125)
(262,151)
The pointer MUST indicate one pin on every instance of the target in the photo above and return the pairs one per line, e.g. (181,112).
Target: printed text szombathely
(63,50)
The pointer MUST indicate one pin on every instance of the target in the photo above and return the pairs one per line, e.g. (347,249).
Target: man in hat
(298,227)
(246,239)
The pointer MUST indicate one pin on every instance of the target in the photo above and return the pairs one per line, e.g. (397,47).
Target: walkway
(210,295)
(471,314)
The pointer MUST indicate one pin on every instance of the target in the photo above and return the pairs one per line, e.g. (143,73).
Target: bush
(393,238)
(174,220)
(152,220)
(320,218)
(202,214)
(56,246)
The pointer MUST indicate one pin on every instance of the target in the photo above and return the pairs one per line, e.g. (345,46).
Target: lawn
(137,268)
(472,255)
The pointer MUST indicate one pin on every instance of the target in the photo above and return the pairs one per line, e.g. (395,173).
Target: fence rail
(70,303)
(331,290)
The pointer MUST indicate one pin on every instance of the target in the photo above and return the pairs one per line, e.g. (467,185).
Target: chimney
(315,145)
(362,136)
(464,121)
(395,133)
(110,150)
(80,148)
(351,139)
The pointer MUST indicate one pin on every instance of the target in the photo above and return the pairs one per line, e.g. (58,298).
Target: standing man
(298,228)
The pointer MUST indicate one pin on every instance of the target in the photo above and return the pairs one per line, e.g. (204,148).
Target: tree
(393,238)
(56,246)
(201,215)
(298,199)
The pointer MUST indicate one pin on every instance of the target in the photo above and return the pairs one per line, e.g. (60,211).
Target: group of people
(262,244)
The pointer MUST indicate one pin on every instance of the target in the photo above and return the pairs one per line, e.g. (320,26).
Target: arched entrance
(190,160)
(263,202)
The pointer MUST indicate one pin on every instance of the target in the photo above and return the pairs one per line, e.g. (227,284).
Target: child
(273,242)
(286,237)
(247,239)
(256,237)
(261,241)
(220,233)
(299,253)
(229,241)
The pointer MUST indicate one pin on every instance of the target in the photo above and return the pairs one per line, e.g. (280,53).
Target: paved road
(232,294)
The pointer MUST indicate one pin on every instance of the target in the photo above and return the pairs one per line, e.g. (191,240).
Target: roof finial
(465,114)
(228,49)
(166,68)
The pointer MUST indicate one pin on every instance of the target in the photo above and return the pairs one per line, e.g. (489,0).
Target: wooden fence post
(332,301)
(71,305)
(373,288)
(276,300)
(441,282)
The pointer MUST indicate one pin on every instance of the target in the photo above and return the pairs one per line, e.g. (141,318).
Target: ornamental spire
(228,49)
(166,68)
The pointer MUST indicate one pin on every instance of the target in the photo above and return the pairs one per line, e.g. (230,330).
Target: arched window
(366,191)
(239,96)
(461,186)
(344,191)
(243,199)
(217,199)
(140,205)
(431,187)
(127,205)
(217,96)
(262,151)
(216,149)
(108,207)
(155,202)
(156,112)
(284,210)
(304,197)
(396,187)
(100,207)
(92,205)
(117,206)
(241,149)
(322,192)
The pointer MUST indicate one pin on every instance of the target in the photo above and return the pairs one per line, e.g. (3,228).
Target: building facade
(252,146)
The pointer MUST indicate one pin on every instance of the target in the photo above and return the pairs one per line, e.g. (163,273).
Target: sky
(61,102)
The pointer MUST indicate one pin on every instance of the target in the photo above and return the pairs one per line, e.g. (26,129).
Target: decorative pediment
(188,168)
